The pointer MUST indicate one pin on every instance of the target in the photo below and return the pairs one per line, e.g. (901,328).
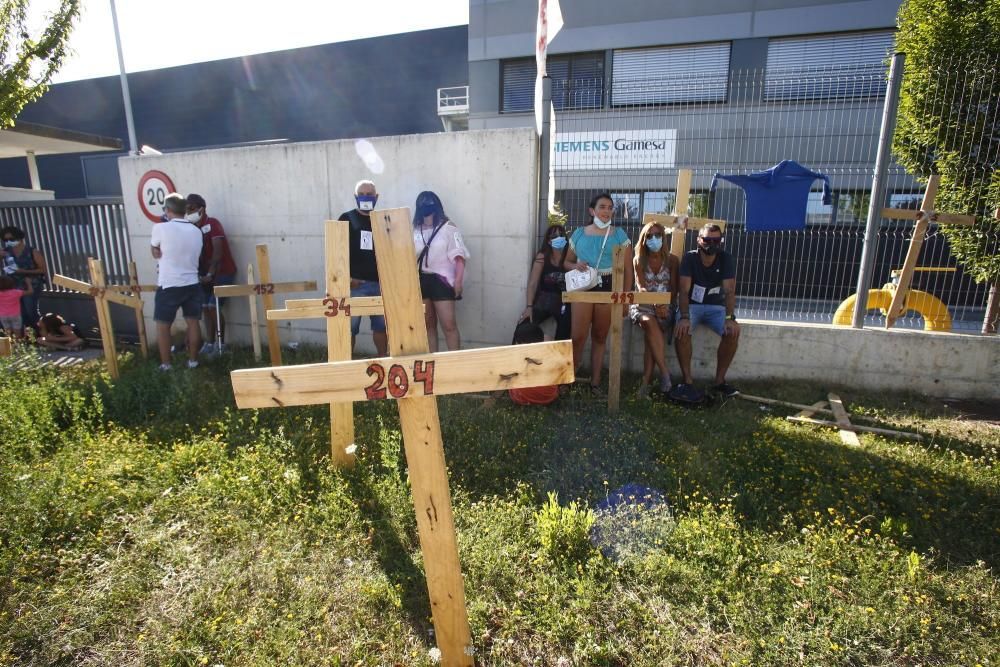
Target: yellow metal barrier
(932,309)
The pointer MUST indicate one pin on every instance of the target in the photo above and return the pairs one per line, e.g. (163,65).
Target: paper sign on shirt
(697,293)
(205,229)
(715,290)
(366,240)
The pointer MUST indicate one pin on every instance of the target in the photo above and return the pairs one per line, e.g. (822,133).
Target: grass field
(148,522)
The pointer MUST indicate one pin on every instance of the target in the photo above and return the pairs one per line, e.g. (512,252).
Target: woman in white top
(441,255)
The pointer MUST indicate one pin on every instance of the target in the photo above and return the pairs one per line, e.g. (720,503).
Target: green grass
(148,522)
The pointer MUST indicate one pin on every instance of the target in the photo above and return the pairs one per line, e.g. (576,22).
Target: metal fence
(826,119)
(68,231)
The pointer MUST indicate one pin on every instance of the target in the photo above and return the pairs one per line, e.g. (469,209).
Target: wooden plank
(98,282)
(133,288)
(140,318)
(94,291)
(615,336)
(317,308)
(855,427)
(486,369)
(5,346)
(939,218)
(338,337)
(422,441)
(681,197)
(71,283)
(264,287)
(669,221)
(273,342)
(898,305)
(254,321)
(809,412)
(628,298)
(847,434)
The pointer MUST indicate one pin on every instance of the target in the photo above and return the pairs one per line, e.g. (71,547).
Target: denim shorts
(368,288)
(209,294)
(168,299)
(713,317)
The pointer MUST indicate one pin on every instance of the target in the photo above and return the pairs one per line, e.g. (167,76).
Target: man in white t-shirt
(177,244)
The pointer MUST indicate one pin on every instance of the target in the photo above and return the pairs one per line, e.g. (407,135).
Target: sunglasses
(707,240)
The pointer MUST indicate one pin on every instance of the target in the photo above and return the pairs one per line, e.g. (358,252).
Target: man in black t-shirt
(707,295)
(364,270)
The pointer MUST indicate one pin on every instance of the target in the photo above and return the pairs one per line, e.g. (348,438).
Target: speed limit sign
(154,186)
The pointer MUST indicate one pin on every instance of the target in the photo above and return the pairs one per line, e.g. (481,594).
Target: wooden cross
(618,298)
(103,295)
(924,217)
(266,290)
(135,289)
(834,407)
(415,378)
(336,307)
(670,223)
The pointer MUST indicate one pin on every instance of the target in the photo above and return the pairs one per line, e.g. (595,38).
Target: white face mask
(193,218)
(601,224)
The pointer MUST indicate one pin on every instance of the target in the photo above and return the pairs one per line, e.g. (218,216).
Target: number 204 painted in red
(396,381)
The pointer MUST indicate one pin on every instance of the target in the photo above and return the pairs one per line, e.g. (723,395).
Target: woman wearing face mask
(546,283)
(593,245)
(441,255)
(30,270)
(655,271)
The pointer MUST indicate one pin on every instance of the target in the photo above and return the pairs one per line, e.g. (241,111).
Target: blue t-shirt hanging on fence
(776,199)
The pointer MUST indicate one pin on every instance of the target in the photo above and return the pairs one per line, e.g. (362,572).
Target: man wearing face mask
(707,295)
(215,267)
(364,271)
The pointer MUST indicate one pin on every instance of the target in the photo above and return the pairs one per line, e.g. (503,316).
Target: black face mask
(709,249)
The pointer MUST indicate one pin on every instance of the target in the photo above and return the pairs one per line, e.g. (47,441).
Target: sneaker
(165,367)
(192,363)
(207,348)
(725,389)
(665,385)
(643,391)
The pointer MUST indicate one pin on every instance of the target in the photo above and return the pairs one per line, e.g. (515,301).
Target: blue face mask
(425,210)
(654,243)
(366,202)
(10,244)
(558,243)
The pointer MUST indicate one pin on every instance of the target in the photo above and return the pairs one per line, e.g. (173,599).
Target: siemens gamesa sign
(615,149)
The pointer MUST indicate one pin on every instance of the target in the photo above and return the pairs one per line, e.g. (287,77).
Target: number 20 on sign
(396,381)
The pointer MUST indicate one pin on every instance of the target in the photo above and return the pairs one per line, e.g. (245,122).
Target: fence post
(543,156)
(882,160)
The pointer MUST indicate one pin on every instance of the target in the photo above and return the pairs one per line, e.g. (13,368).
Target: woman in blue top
(594,245)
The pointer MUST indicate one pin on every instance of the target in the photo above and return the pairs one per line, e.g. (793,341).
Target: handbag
(577,280)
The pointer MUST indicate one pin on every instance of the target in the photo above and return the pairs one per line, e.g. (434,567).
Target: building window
(847,65)
(670,74)
(577,82)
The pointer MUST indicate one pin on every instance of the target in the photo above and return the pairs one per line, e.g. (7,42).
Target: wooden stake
(855,427)
(5,346)
(140,319)
(338,337)
(847,434)
(254,322)
(103,315)
(273,342)
(809,412)
(681,198)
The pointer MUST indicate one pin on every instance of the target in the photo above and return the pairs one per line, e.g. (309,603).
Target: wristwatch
(731,317)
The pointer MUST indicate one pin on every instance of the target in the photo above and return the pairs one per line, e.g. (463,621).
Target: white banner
(549,23)
(624,149)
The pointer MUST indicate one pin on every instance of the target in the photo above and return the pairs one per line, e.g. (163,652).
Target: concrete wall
(280,195)
(935,364)
(25,194)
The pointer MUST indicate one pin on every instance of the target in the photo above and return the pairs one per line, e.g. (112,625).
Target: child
(10,306)
(528,332)
(55,334)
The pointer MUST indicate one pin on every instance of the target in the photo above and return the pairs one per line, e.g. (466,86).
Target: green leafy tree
(949,117)
(28,61)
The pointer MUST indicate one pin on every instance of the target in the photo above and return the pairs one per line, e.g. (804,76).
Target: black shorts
(603,286)
(436,288)
(168,299)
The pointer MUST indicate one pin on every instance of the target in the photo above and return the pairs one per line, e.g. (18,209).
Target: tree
(28,61)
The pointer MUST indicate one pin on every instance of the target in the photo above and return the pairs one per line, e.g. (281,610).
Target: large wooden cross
(924,217)
(337,307)
(415,377)
(266,290)
(677,223)
(136,289)
(103,295)
(619,299)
